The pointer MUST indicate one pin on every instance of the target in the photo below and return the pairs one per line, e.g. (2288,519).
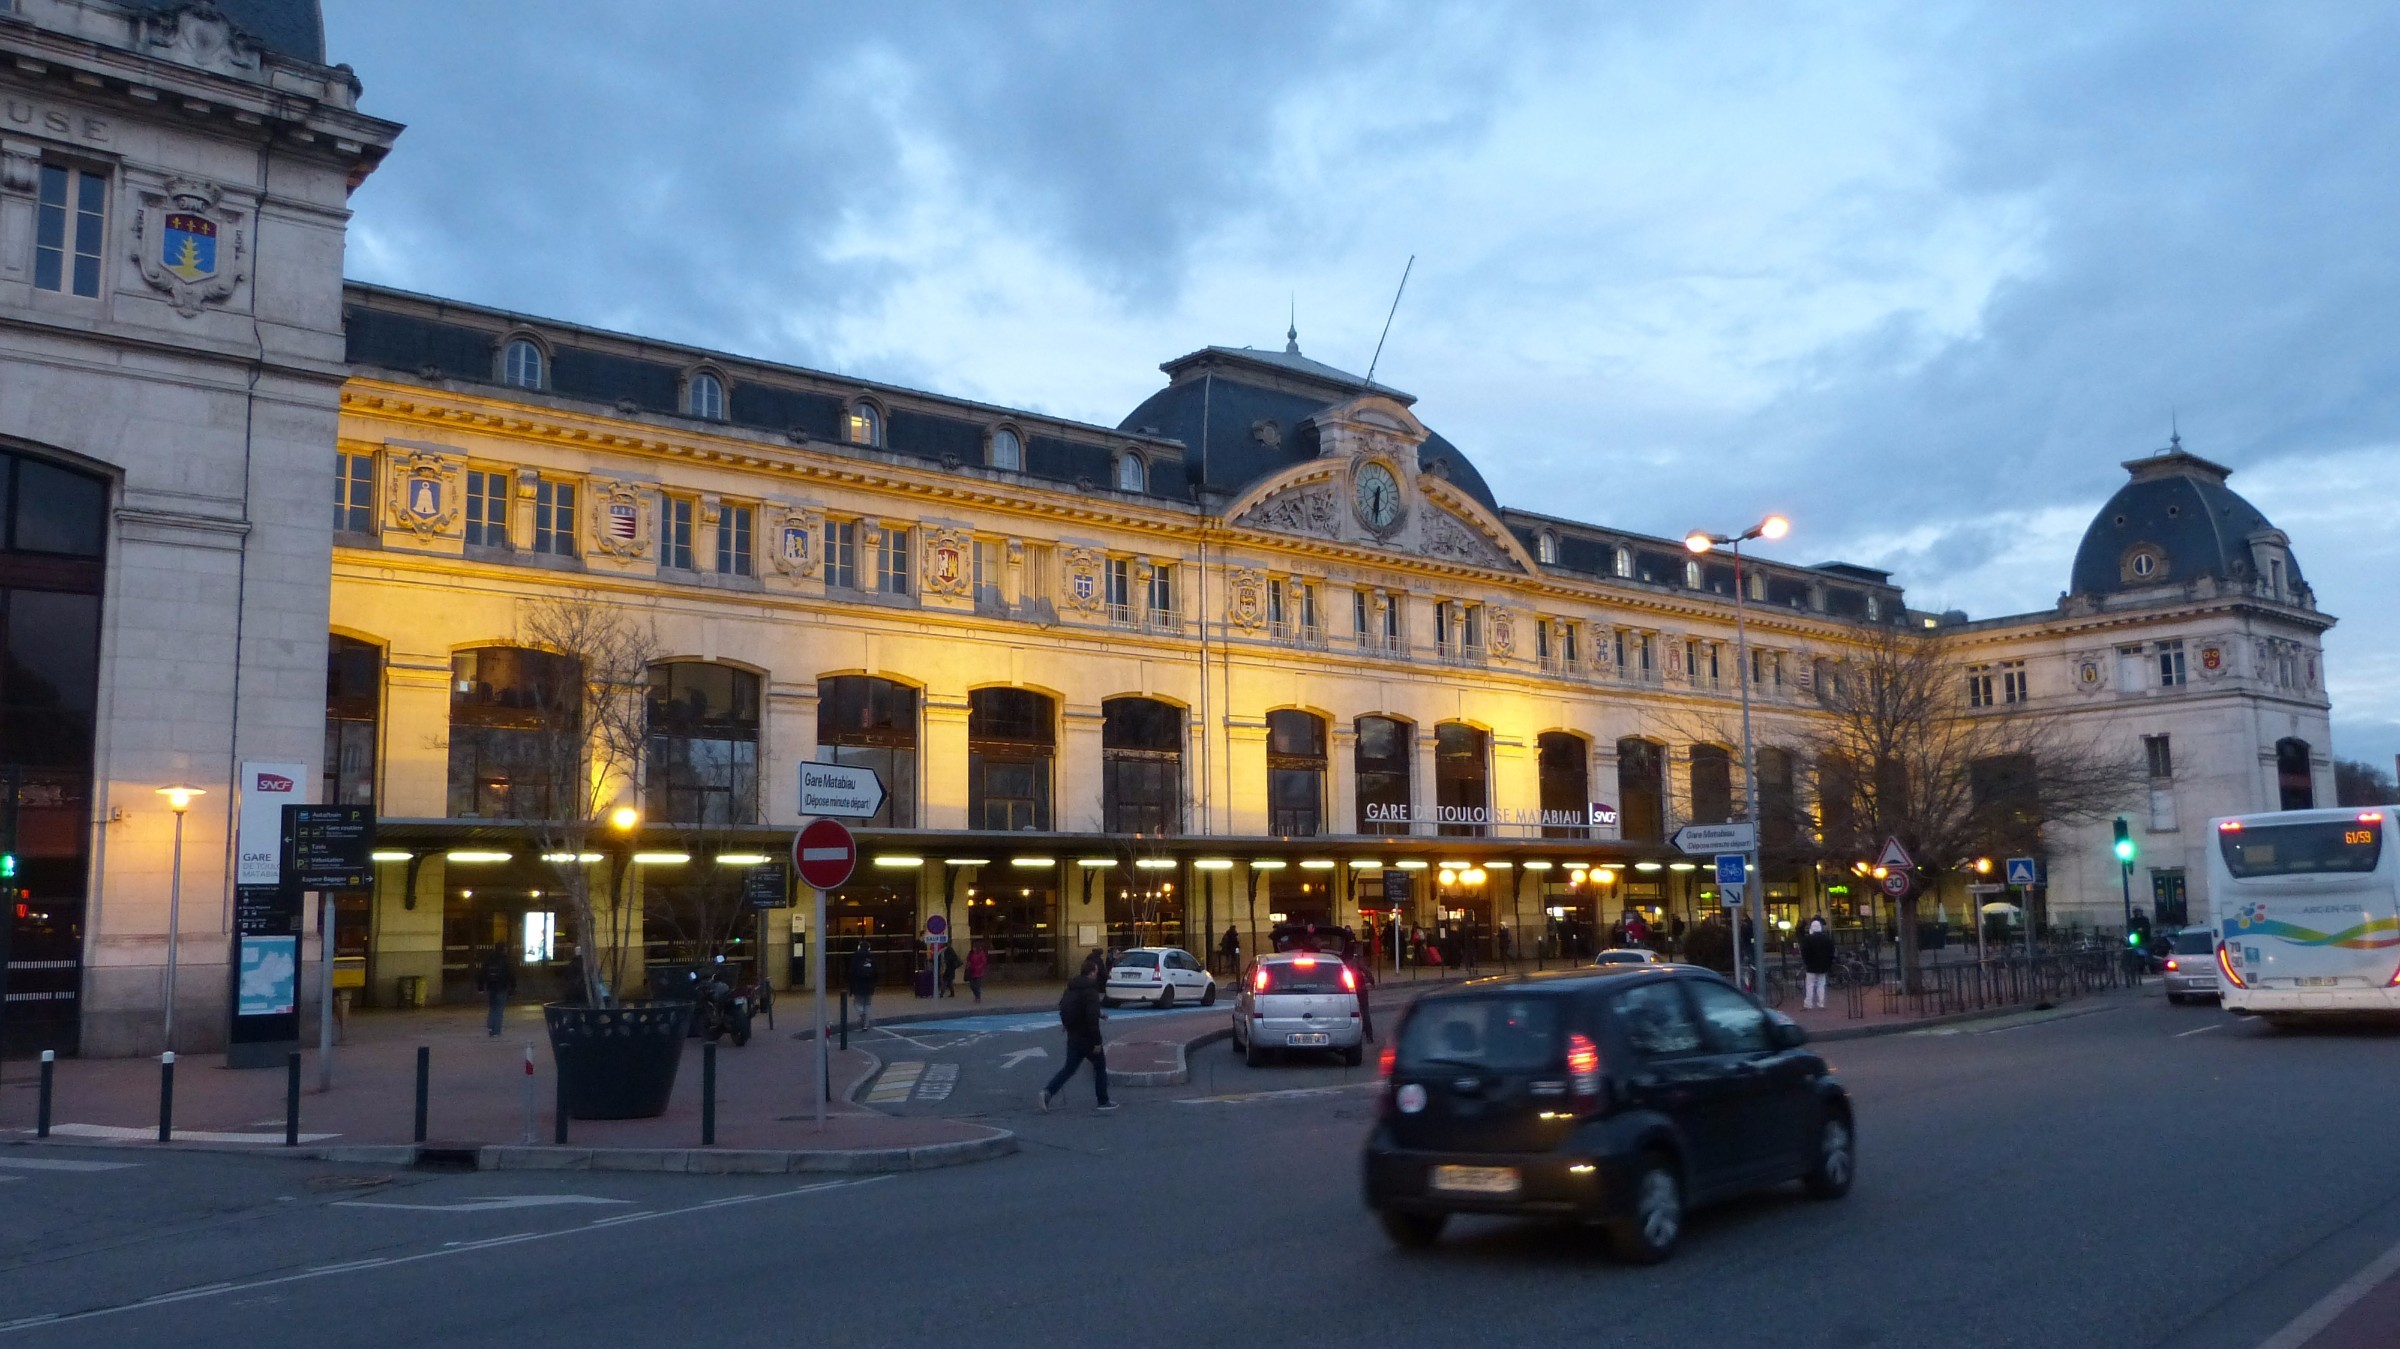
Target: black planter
(617,1062)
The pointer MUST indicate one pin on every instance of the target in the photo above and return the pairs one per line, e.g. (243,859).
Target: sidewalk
(478,1105)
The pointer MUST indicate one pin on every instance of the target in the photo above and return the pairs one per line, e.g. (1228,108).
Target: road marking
(497,1202)
(455,1248)
(1016,1057)
(2203,1030)
(896,1083)
(2329,1308)
(60,1164)
(1285,1094)
(128,1134)
(938,1082)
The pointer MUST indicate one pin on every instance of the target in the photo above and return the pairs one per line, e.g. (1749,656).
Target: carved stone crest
(189,246)
(424,494)
(1083,578)
(1447,536)
(1246,599)
(2090,674)
(795,545)
(948,564)
(622,515)
(1298,510)
(1503,633)
(2215,659)
(198,34)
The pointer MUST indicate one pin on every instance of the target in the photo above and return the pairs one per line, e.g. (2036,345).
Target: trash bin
(924,983)
(412,990)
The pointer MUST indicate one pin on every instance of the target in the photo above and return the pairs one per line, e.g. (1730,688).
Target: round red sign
(824,854)
(1896,885)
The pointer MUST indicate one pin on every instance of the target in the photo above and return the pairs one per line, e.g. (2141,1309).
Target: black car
(1624,1095)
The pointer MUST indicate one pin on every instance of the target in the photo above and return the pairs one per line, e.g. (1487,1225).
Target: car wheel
(1166,997)
(1837,1160)
(2175,999)
(1648,1234)
(1354,1056)
(1209,998)
(1416,1231)
(1252,1054)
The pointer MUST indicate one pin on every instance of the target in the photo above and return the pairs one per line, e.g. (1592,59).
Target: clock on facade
(1378,494)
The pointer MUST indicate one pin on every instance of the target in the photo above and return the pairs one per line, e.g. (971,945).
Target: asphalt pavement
(2119,1173)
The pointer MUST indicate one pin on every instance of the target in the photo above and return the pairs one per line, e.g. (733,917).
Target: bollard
(41,1119)
(845,1019)
(558,1123)
(291,1099)
(424,1086)
(708,1094)
(166,1096)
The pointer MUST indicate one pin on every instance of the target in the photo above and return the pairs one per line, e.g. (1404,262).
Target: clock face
(1378,496)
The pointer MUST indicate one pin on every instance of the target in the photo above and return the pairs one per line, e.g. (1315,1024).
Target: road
(2060,1182)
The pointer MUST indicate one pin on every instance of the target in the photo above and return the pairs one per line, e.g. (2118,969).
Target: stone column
(1248,810)
(1075,800)
(942,763)
(1341,780)
(416,734)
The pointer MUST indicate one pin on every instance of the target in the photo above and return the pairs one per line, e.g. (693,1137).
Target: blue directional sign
(2021,871)
(1732,868)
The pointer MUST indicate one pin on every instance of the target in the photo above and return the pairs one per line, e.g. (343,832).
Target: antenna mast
(1387,318)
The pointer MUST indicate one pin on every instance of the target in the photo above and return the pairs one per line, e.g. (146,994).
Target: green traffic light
(2124,850)
(8,864)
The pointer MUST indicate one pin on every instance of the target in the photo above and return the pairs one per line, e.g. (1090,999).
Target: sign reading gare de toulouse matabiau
(1600,815)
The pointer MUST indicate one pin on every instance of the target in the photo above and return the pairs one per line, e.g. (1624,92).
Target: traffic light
(2124,842)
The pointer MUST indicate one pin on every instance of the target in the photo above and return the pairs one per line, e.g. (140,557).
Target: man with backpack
(1079,1012)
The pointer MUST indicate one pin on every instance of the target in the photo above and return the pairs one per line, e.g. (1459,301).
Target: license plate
(1307,1038)
(1477,1179)
(2318,981)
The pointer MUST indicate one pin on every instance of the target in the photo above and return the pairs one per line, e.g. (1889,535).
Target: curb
(1181,1072)
(2056,1011)
(692,1161)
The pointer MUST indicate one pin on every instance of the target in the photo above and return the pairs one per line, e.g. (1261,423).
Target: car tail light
(1349,980)
(1385,1060)
(1259,979)
(1305,963)
(1583,1065)
(2230,827)
(2173,964)
(2225,966)
(1156,976)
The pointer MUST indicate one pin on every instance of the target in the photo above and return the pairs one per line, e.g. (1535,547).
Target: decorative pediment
(1452,539)
(1298,510)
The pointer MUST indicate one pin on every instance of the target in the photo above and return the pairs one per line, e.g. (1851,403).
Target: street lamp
(1700,542)
(179,800)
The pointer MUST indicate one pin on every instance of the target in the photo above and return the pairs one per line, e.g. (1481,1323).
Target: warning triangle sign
(1894,857)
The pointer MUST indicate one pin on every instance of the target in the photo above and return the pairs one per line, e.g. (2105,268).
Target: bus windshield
(2311,849)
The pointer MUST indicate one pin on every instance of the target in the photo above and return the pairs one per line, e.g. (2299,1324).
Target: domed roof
(294,28)
(2175,521)
(1238,412)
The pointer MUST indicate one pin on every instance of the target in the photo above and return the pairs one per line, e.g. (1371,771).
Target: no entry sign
(825,854)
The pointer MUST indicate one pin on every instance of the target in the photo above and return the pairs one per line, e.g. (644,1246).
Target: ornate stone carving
(1447,536)
(1298,510)
(188,245)
(1268,432)
(1246,599)
(199,35)
(424,493)
(2214,659)
(1083,578)
(622,518)
(20,169)
(2088,672)
(1503,632)
(949,567)
(795,546)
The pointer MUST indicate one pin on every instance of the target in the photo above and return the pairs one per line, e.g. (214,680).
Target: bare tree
(2358,783)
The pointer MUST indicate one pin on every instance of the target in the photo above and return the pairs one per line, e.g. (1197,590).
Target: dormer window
(1006,451)
(704,396)
(1691,575)
(1546,548)
(864,426)
(521,364)
(1874,608)
(1624,564)
(1132,474)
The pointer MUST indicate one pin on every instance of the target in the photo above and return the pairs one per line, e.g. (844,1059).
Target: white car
(1159,975)
(1627,955)
(1298,1000)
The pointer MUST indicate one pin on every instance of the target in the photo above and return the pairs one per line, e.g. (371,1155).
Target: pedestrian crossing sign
(2021,871)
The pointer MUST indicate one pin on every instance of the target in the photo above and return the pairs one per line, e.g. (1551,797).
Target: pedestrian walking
(1355,957)
(1079,1012)
(1637,932)
(950,968)
(979,963)
(1507,948)
(495,981)
(862,983)
(1231,950)
(1816,960)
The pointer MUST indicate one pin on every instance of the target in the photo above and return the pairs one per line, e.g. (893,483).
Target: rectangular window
(675,535)
(841,554)
(1275,605)
(1566,644)
(1979,686)
(891,562)
(554,518)
(487,509)
(1358,616)
(734,557)
(1118,583)
(2170,665)
(2161,755)
(2012,682)
(1541,644)
(2129,669)
(354,492)
(990,562)
(1470,626)
(1441,624)
(1308,608)
(67,231)
(1391,620)
(1162,593)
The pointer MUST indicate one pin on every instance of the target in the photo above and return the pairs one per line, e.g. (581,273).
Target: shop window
(1141,766)
(1011,743)
(1462,779)
(516,733)
(1295,773)
(872,723)
(701,760)
(353,711)
(1386,758)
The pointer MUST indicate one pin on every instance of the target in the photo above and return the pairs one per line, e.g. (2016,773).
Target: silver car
(2192,965)
(1298,1000)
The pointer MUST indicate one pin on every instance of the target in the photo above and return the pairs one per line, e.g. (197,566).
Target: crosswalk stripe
(896,1083)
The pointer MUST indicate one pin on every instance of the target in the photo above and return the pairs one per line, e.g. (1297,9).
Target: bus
(2308,913)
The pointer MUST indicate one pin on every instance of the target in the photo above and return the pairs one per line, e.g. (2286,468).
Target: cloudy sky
(1920,275)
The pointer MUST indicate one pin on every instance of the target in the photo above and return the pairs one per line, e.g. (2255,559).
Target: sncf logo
(270,782)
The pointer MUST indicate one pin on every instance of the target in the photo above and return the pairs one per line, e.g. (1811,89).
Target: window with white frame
(1624,564)
(841,554)
(521,364)
(1162,592)
(1006,450)
(1546,548)
(2013,688)
(990,562)
(2158,752)
(70,219)
(1979,686)
(487,508)
(2170,665)
(675,534)
(354,492)
(1566,644)
(864,425)
(1117,588)
(1132,474)
(891,562)
(734,554)
(554,518)
(1691,574)
(704,396)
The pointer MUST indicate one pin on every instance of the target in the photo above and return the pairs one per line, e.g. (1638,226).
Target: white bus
(2308,913)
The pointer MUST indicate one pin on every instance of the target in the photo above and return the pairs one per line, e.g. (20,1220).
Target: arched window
(1462,779)
(1132,474)
(1141,766)
(872,723)
(1386,755)
(1624,564)
(1641,790)
(1012,737)
(353,708)
(704,396)
(1778,804)
(701,761)
(516,733)
(1691,574)
(1566,767)
(1295,773)
(1546,548)
(865,424)
(521,364)
(2295,786)
(1007,452)
(1712,784)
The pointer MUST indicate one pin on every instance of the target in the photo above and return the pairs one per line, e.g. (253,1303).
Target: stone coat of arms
(190,246)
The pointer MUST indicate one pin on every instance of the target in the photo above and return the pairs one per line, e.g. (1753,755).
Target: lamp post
(179,800)
(1755,905)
